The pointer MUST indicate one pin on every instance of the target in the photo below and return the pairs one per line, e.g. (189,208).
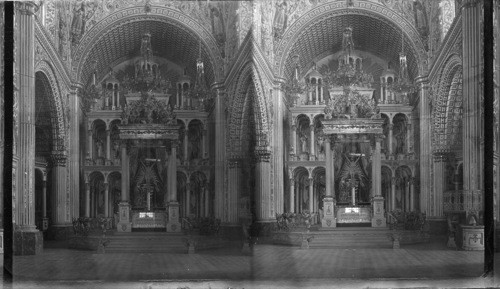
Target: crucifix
(353,172)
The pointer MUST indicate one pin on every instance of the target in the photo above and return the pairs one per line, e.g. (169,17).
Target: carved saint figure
(420,18)
(303,140)
(218,25)
(100,146)
(63,31)
(78,23)
(280,19)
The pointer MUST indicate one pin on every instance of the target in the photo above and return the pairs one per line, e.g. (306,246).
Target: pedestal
(378,219)
(27,242)
(328,220)
(472,237)
(45,224)
(173,224)
(124,225)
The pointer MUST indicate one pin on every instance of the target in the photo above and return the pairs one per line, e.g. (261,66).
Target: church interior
(259,121)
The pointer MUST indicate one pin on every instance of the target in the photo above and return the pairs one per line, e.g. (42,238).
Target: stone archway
(370,10)
(166,17)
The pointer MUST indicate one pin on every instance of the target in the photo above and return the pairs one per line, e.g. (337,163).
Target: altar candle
(353,196)
(149,201)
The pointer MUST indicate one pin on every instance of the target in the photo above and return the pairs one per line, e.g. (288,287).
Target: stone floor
(413,266)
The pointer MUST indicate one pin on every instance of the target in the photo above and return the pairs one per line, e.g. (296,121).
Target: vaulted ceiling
(174,43)
(377,36)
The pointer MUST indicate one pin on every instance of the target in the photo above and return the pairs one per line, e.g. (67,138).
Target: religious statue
(420,18)
(303,140)
(63,32)
(116,148)
(280,20)
(100,146)
(78,23)
(218,25)
(347,43)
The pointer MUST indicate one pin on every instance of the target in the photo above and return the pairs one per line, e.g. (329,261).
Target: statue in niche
(280,20)
(420,19)
(78,24)
(303,141)
(116,149)
(399,137)
(100,147)
(218,25)
(347,42)
(194,137)
(63,34)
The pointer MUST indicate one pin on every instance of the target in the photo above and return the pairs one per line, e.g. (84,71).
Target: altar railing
(462,200)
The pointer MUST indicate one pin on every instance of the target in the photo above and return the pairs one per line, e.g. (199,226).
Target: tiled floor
(284,266)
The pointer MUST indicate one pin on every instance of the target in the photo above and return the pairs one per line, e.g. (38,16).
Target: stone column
(203,143)
(473,89)
(263,187)
(409,146)
(390,126)
(378,219)
(412,194)
(393,192)
(439,174)
(124,225)
(87,197)
(27,239)
(425,146)
(106,199)
(75,151)
(292,195)
(173,224)
(186,144)
(278,147)
(234,187)
(294,140)
(329,220)
(90,144)
(311,195)
(45,220)
(108,144)
(311,156)
(220,152)
(61,224)
(188,199)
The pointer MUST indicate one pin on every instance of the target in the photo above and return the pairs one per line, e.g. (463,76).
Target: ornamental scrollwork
(148,110)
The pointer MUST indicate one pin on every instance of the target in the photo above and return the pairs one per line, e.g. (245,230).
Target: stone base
(27,242)
(328,220)
(124,224)
(62,232)
(379,222)
(124,227)
(472,238)
(261,229)
(304,245)
(173,224)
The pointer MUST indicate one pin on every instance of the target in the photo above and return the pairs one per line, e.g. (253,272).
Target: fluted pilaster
(125,171)
(24,77)
(439,174)
(234,188)
(75,154)
(425,148)
(472,88)
(220,153)
(263,187)
(59,197)
(278,151)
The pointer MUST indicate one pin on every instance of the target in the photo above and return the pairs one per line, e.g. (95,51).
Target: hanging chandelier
(350,72)
(294,87)
(147,76)
(200,90)
(403,86)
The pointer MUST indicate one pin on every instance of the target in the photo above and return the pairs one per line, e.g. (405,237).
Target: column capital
(27,7)
(234,163)
(262,155)
(390,126)
(59,158)
(468,3)
(174,143)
